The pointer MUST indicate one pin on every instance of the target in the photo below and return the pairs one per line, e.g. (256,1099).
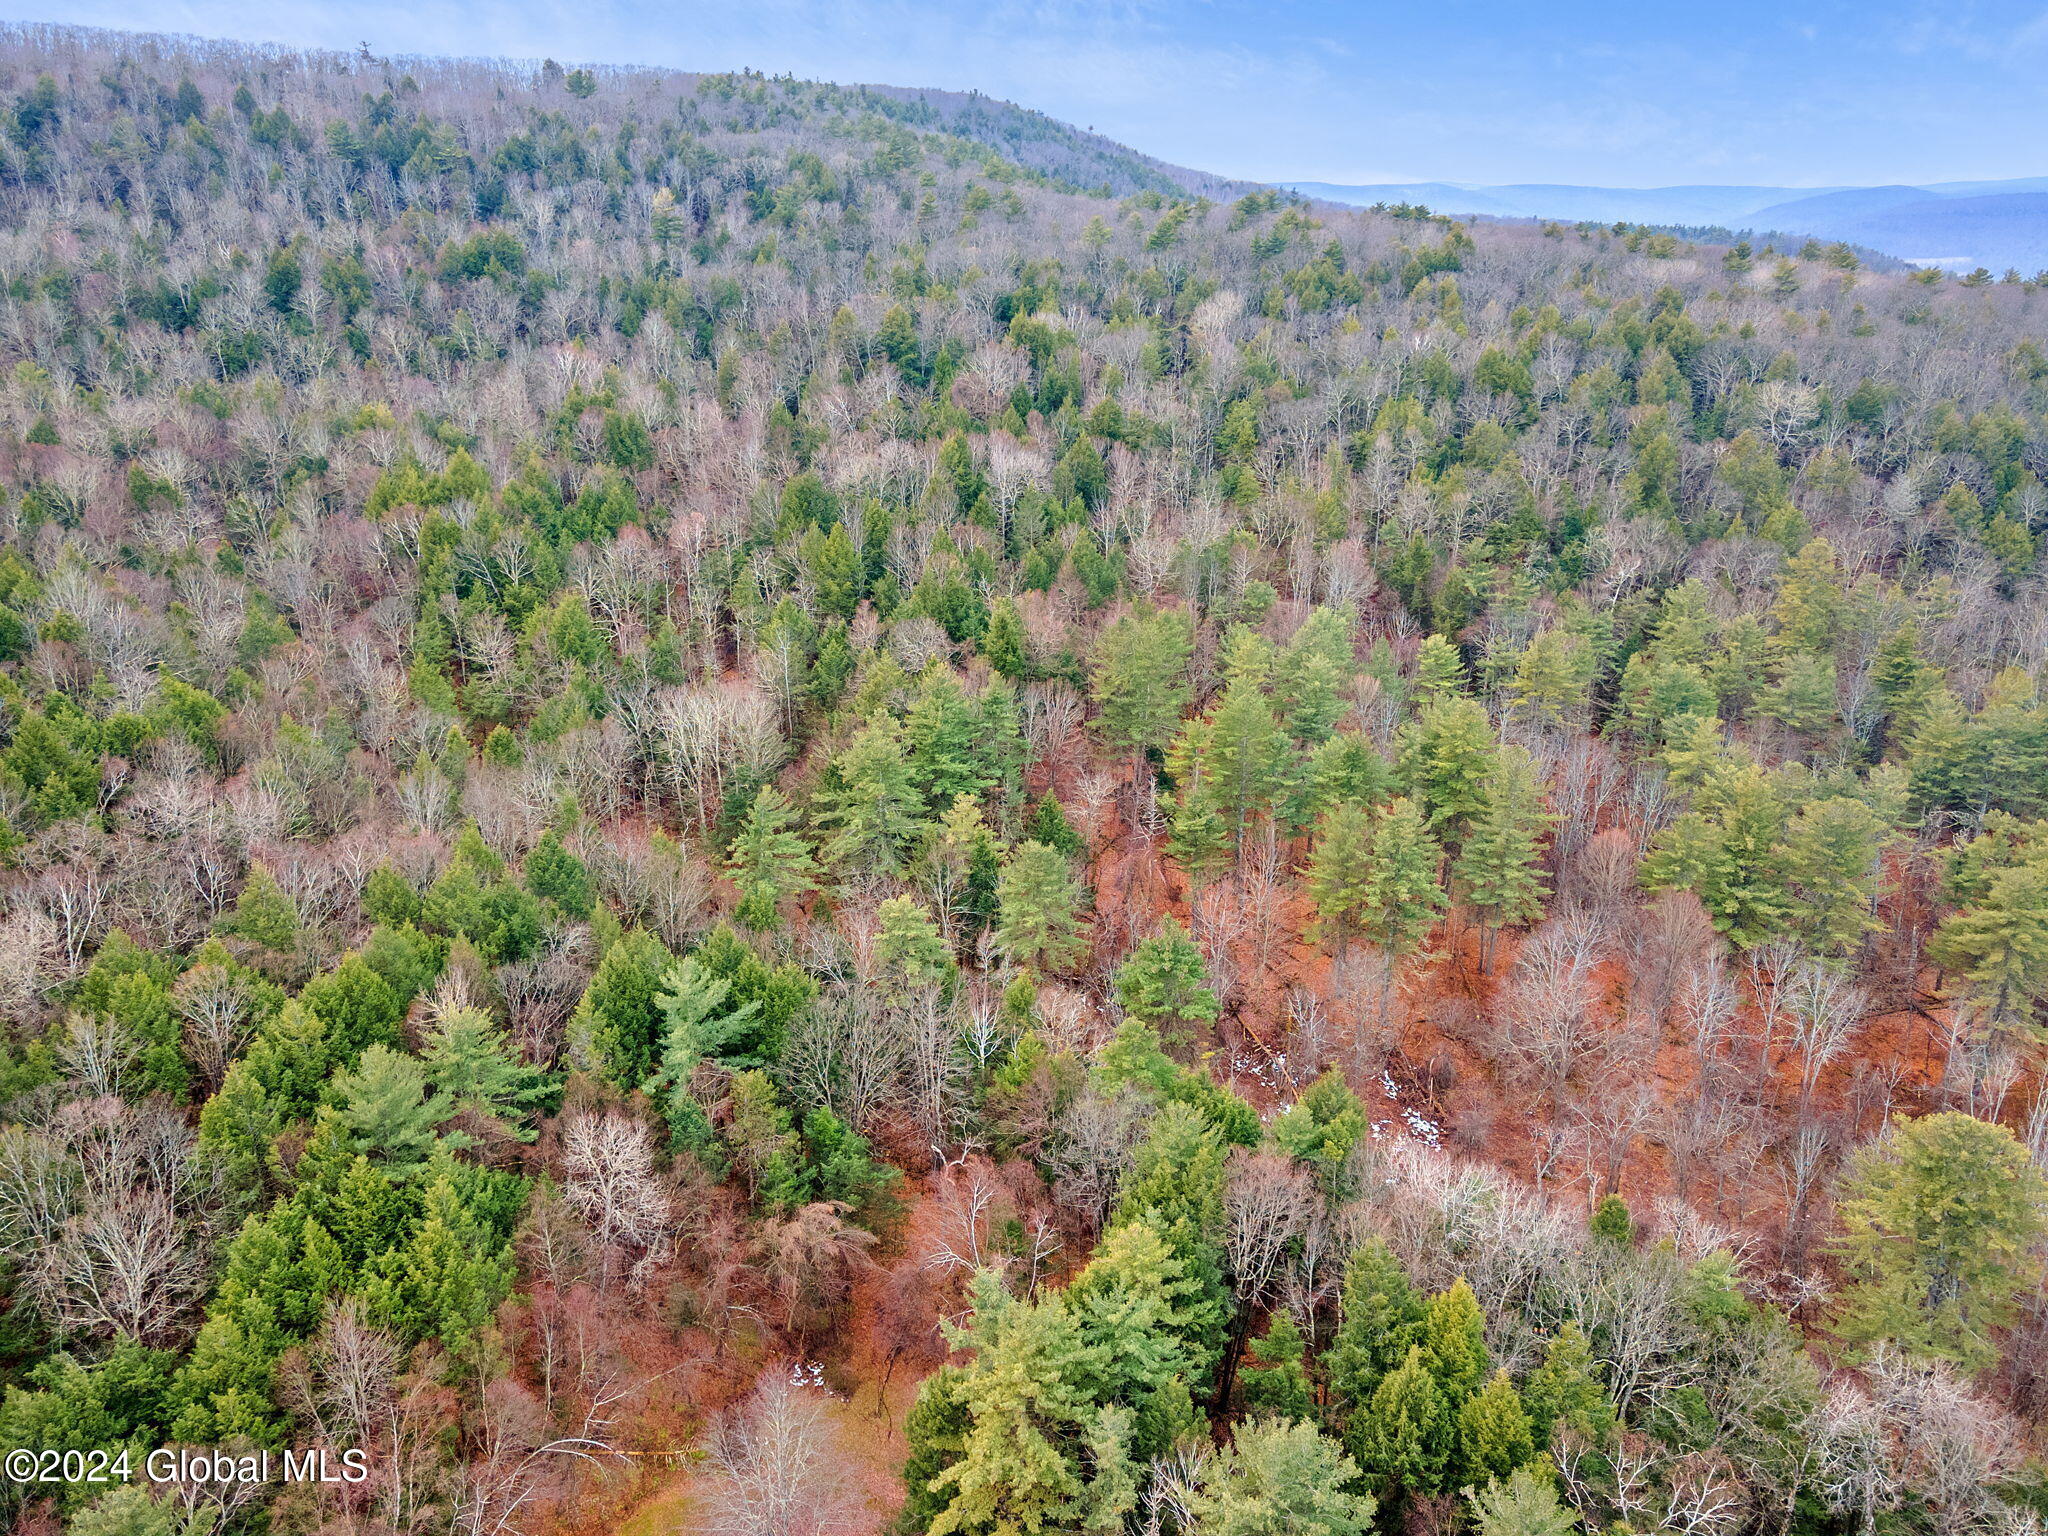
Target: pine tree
(472,1065)
(942,736)
(1380,1321)
(1499,863)
(1340,870)
(1164,983)
(1245,752)
(935,1432)
(1439,669)
(1447,760)
(874,808)
(1524,1504)
(769,861)
(911,954)
(1401,899)
(1453,1340)
(1999,946)
(1026,1401)
(701,1020)
(1831,850)
(1113,1480)
(1942,1221)
(1038,899)
(1494,1435)
(1553,673)
(1139,1315)
(1176,1181)
(1138,679)
(1564,1393)
(386,1112)
(1281,1479)
(1404,1437)
(1312,677)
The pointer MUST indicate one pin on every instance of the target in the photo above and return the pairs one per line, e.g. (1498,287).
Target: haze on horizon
(1475,91)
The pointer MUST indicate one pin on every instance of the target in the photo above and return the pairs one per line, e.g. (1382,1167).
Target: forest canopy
(736,805)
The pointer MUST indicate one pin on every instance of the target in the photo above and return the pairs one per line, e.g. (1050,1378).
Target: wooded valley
(740,806)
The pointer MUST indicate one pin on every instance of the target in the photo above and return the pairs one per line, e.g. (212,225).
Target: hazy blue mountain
(1443,196)
(1995,224)
(2006,230)
(1639,205)
(1824,208)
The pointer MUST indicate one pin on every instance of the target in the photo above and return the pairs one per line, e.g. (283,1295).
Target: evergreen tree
(1499,863)
(1447,760)
(446,1282)
(1176,1182)
(1401,898)
(1404,1437)
(1380,1320)
(1281,1479)
(935,1431)
(1564,1393)
(1453,1341)
(1139,1314)
(1037,899)
(1524,1504)
(1494,1436)
(1832,848)
(473,1066)
(358,1005)
(386,1112)
(911,955)
(1999,946)
(1942,1221)
(555,874)
(1439,669)
(1138,679)
(617,1026)
(1340,870)
(1611,1222)
(1274,1381)
(1164,983)
(942,736)
(1026,1402)
(874,807)
(769,861)
(262,914)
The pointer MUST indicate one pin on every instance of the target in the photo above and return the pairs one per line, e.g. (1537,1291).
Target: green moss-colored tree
(1380,1320)
(1038,902)
(1281,1478)
(768,860)
(1165,983)
(1942,1221)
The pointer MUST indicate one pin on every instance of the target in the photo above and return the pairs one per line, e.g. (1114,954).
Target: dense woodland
(746,807)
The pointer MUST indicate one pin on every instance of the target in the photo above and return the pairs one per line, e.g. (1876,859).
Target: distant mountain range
(1995,224)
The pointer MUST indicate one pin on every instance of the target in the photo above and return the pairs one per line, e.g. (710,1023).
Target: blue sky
(1613,94)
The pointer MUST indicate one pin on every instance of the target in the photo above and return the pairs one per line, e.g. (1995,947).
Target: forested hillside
(737,806)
